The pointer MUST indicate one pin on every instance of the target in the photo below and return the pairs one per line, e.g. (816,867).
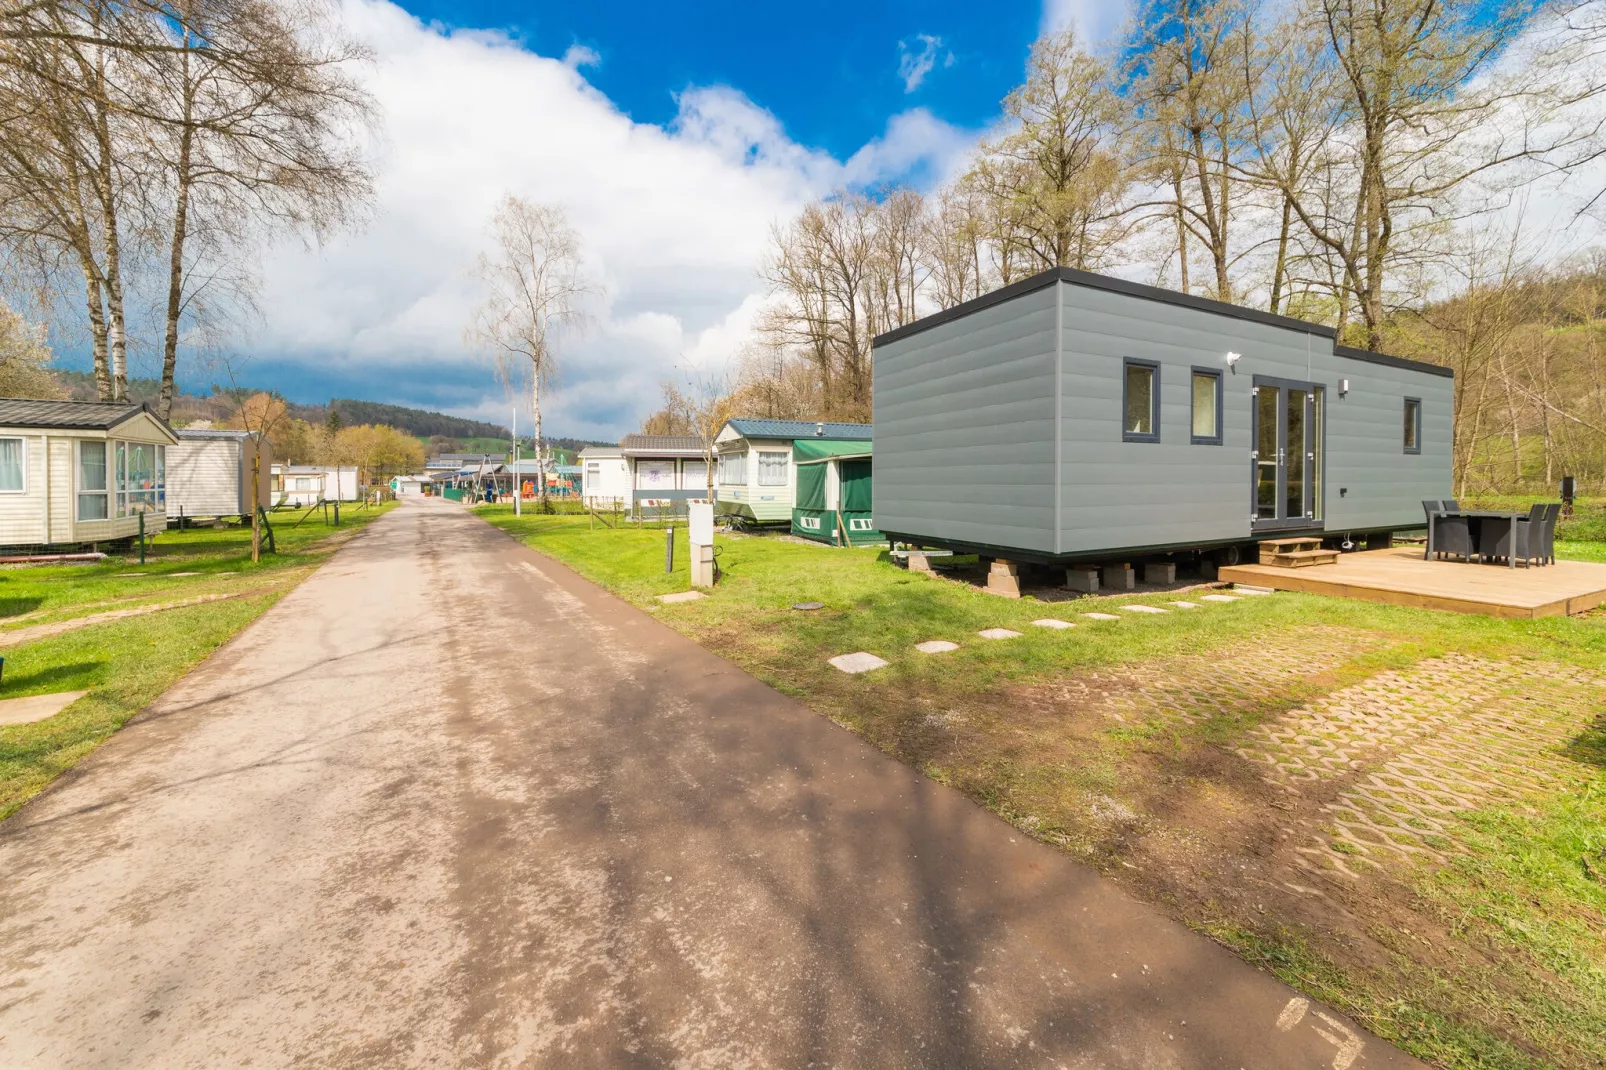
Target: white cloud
(675,221)
(579,55)
(914,65)
(1095,21)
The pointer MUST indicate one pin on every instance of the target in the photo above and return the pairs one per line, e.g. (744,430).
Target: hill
(418,422)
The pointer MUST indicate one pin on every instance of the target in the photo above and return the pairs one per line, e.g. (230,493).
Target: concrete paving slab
(1186,605)
(1142,609)
(31,708)
(1053,622)
(936,646)
(1244,588)
(682,596)
(1219,598)
(1101,616)
(860,661)
(998,633)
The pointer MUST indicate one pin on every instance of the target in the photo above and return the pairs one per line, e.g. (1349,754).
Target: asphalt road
(448,804)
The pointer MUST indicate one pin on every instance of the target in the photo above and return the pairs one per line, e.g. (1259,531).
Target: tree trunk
(175,254)
(93,295)
(540,445)
(256,505)
(1280,270)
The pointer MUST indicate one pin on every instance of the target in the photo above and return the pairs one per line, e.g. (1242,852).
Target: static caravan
(834,502)
(209,473)
(757,479)
(309,484)
(74,472)
(605,476)
(665,470)
(1072,417)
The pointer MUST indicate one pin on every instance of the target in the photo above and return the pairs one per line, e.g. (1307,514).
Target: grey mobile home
(209,473)
(1072,416)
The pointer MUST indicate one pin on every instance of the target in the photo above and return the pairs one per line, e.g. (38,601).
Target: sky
(673,135)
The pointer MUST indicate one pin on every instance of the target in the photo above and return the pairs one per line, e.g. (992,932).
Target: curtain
(10,464)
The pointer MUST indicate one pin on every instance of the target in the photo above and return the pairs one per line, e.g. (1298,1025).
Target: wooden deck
(1400,577)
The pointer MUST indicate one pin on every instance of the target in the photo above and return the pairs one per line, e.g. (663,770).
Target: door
(1286,458)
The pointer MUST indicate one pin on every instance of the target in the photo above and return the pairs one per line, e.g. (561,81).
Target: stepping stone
(936,646)
(31,708)
(1186,605)
(998,633)
(1241,589)
(808,606)
(681,596)
(860,661)
(1101,616)
(175,575)
(1143,609)
(1050,622)
(1219,598)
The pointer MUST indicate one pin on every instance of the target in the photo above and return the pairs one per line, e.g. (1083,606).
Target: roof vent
(819,430)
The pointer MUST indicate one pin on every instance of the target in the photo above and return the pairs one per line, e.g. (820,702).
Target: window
(13,466)
(92,504)
(120,476)
(772,469)
(733,469)
(1413,425)
(1206,407)
(1140,401)
(306,483)
(593,469)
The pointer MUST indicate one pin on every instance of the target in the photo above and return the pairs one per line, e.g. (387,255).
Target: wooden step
(1300,558)
(1306,542)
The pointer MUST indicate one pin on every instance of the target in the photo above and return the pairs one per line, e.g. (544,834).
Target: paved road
(447,804)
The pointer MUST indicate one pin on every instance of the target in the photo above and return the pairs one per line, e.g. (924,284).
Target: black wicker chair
(1547,533)
(1522,539)
(1448,534)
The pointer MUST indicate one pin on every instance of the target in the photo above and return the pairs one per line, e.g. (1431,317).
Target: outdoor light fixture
(819,430)
(1233,359)
(1343,387)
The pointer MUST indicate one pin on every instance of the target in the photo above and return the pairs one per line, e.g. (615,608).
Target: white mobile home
(308,484)
(604,476)
(1072,416)
(74,472)
(757,480)
(209,473)
(665,469)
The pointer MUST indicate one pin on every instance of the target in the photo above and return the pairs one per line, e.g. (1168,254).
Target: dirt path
(449,804)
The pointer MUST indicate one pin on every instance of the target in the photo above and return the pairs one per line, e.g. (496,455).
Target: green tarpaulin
(805,450)
(811,486)
(811,519)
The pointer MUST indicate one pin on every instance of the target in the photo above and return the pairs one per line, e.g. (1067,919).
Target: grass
(126,663)
(1118,743)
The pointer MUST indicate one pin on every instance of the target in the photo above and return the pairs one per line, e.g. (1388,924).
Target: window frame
(1221,389)
(730,460)
(79,491)
(23,465)
(786,468)
(1412,405)
(1128,363)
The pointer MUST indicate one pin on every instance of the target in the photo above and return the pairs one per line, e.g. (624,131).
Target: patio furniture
(1449,533)
(1513,536)
(1547,545)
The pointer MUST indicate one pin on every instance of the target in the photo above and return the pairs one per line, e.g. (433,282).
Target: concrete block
(1143,609)
(1219,598)
(936,646)
(1003,578)
(919,563)
(1245,588)
(1101,616)
(998,633)
(1085,580)
(860,661)
(1380,540)
(1186,605)
(1051,622)
(1160,572)
(1118,577)
(1208,570)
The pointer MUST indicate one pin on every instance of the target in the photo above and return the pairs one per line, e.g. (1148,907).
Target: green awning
(812,451)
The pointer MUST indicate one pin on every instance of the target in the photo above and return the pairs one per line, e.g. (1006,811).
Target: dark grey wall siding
(964,428)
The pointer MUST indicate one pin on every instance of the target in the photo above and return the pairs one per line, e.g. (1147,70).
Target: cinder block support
(1085,580)
(1003,578)
(1160,572)
(919,562)
(1118,577)
(1208,569)
(1380,540)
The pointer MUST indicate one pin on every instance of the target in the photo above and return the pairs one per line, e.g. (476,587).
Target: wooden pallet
(1296,553)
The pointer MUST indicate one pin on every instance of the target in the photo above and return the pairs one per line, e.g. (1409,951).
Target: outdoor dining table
(1479,517)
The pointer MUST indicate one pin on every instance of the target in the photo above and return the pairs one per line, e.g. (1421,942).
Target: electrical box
(701,530)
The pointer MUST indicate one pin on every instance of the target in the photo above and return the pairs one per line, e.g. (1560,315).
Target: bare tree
(536,287)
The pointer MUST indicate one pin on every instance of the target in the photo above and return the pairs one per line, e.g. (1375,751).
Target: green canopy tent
(843,467)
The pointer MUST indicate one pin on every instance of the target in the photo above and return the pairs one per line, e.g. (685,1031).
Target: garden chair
(1431,508)
(1522,539)
(1547,534)
(1450,505)
(1452,535)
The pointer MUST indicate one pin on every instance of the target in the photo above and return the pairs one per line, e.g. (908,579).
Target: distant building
(605,476)
(665,470)
(309,484)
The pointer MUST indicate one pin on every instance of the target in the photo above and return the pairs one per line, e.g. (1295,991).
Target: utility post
(518,487)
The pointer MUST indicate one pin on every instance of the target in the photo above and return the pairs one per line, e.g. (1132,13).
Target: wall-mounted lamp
(1232,361)
(1343,387)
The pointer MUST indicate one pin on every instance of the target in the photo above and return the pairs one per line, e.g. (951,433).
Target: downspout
(46,440)
(1059,401)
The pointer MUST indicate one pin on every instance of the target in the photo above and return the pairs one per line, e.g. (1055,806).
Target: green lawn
(126,663)
(1123,743)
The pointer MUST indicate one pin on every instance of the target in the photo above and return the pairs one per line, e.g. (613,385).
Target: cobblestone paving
(1445,735)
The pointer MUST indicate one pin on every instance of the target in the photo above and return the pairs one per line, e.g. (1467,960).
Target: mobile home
(834,501)
(665,470)
(1072,417)
(209,473)
(757,478)
(74,472)
(605,476)
(309,484)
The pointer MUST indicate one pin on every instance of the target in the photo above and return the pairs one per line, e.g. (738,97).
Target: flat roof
(1148,293)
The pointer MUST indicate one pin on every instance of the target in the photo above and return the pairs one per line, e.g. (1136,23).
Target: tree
(1056,177)
(24,359)
(535,289)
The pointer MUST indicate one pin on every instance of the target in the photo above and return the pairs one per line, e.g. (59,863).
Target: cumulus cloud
(915,63)
(579,55)
(675,220)
(1095,21)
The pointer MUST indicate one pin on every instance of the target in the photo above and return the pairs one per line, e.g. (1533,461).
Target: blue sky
(674,136)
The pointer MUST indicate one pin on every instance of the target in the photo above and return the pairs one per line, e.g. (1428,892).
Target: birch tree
(536,287)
